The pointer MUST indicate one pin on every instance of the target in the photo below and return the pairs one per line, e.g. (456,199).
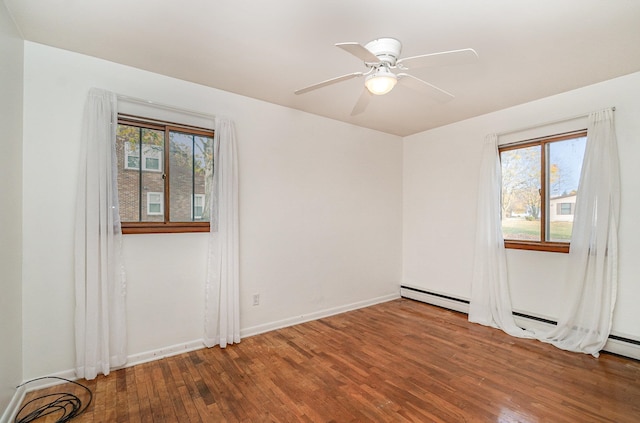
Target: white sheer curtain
(100,320)
(585,324)
(490,297)
(222,297)
(591,286)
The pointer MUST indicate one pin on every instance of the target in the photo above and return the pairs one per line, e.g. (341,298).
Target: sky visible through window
(567,156)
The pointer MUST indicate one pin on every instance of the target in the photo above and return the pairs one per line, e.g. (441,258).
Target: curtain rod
(164,106)
(500,134)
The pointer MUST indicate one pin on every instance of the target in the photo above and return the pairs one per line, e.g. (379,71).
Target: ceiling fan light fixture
(381,82)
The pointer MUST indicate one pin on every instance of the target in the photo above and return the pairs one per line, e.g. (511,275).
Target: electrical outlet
(256,299)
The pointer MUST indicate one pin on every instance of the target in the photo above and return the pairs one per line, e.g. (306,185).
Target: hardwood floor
(401,361)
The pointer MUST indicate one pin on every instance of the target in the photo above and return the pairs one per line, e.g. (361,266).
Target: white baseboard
(267,327)
(160,353)
(9,414)
(255,330)
(627,349)
(14,405)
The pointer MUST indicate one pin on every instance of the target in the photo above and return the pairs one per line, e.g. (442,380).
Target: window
(164,176)
(539,190)
(198,206)
(155,203)
(151,157)
(565,208)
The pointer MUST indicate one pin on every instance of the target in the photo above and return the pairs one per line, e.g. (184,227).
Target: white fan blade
(359,51)
(362,102)
(445,58)
(423,86)
(328,82)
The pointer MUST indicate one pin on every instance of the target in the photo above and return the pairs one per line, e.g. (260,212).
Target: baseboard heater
(616,344)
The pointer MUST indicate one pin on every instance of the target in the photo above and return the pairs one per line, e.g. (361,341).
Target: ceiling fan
(380,56)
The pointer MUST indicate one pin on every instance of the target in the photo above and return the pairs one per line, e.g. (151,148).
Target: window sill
(163,228)
(552,247)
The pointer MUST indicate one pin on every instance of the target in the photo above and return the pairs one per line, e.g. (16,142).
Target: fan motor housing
(387,50)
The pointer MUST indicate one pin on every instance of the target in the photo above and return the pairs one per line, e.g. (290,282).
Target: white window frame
(193,203)
(148,151)
(160,202)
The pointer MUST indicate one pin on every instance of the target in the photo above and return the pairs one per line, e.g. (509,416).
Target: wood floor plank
(141,376)
(401,361)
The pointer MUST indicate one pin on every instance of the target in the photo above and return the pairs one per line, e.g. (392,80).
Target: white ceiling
(528,49)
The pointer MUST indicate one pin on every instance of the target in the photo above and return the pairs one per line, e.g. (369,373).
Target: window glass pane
(151,180)
(564,164)
(134,183)
(181,176)
(198,206)
(521,193)
(128,152)
(191,170)
(151,163)
(153,144)
(131,146)
(203,170)
(133,162)
(565,208)
(154,203)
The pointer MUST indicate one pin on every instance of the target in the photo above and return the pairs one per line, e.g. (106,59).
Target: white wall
(11,54)
(320,213)
(440,192)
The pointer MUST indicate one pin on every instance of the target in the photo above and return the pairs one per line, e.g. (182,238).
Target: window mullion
(193,177)
(166,175)
(543,192)
(140,174)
